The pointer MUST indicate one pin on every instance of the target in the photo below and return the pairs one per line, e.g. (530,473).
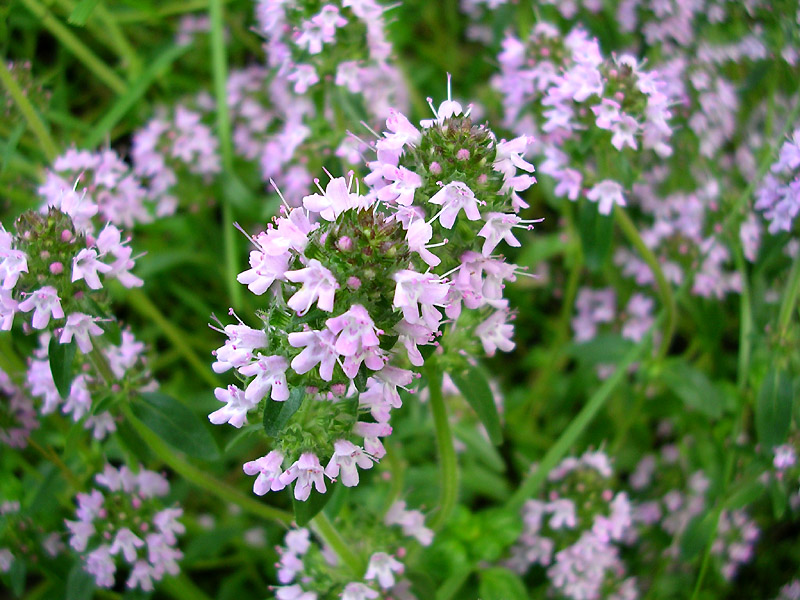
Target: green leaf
(277,414)
(244,433)
(62,359)
(473,384)
(605,348)
(305,511)
(498,583)
(693,388)
(479,447)
(596,232)
(82,12)
(774,409)
(80,584)
(174,423)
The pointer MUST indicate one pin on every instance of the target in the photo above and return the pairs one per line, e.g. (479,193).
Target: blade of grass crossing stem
(71,42)
(201,478)
(220,71)
(24,105)
(531,485)
(134,93)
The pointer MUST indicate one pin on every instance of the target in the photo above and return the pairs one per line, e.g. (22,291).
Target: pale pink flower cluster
(590,566)
(560,86)
(778,196)
(300,49)
(17,414)
(170,145)
(107,255)
(382,579)
(84,184)
(87,384)
(122,521)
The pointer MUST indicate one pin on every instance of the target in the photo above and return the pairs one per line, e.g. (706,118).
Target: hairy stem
(323,527)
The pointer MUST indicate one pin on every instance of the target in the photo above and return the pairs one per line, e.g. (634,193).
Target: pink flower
(268,468)
(371,432)
(236,408)
(418,235)
(333,201)
(44,302)
(346,457)
(270,376)
(308,472)
(624,130)
(318,348)
(382,567)
(8,308)
(12,264)
(319,285)
(606,194)
(126,542)
(357,338)
(498,227)
(495,333)
(454,197)
(358,591)
(264,271)
(415,291)
(401,190)
(80,326)
(238,349)
(86,266)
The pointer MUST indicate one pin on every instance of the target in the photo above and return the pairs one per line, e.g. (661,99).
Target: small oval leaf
(473,384)
(774,409)
(277,414)
(306,510)
(62,360)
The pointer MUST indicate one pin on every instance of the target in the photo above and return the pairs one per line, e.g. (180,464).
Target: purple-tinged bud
(482,178)
(462,154)
(338,389)
(619,96)
(136,503)
(353,282)
(613,73)
(435,168)
(56,268)
(44,254)
(66,235)
(344,243)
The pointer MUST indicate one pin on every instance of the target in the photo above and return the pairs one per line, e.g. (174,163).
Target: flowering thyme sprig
(353,294)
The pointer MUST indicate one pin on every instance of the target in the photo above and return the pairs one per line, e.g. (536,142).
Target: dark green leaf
(498,583)
(605,348)
(473,384)
(174,423)
(62,360)
(80,584)
(479,447)
(244,433)
(277,414)
(133,442)
(305,511)
(17,575)
(774,409)
(82,11)
(596,232)
(693,388)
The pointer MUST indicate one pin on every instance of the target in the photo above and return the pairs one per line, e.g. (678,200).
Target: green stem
(664,288)
(746,323)
(166,10)
(28,112)
(139,301)
(448,464)
(219,67)
(558,357)
(77,47)
(530,486)
(101,364)
(789,299)
(200,478)
(323,527)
